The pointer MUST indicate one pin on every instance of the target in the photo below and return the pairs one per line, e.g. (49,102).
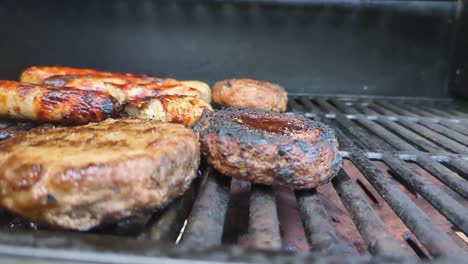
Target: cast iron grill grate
(402,196)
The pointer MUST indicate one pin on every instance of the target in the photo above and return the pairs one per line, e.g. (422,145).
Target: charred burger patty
(269,148)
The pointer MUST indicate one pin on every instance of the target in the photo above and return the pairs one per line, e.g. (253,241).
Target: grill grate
(403,189)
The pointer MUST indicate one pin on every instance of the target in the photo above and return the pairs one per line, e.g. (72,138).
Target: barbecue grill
(384,74)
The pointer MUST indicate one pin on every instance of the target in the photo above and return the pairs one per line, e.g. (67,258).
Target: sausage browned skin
(250,93)
(268,147)
(37,74)
(124,89)
(55,105)
(131,85)
(77,177)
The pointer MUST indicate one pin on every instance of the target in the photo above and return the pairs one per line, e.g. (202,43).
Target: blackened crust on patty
(269,148)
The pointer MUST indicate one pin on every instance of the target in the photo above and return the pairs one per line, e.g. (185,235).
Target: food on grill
(176,109)
(130,89)
(55,105)
(121,86)
(143,96)
(268,147)
(37,74)
(204,88)
(77,177)
(250,94)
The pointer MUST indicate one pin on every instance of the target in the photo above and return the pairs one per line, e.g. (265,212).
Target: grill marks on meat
(78,177)
(56,105)
(123,86)
(126,90)
(269,148)
(37,74)
(143,96)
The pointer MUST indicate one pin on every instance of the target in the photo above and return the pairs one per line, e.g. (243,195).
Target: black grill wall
(390,48)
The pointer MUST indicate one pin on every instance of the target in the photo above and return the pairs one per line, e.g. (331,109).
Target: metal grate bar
(435,111)
(363,136)
(461,166)
(345,142)
(396,109)
(354,129)
(168,225)
(347,109)
(410,136)
(329,109)
(364,108)
(456,183)
(320,233)
(416,110)
(381,110)
(294,107)
(457,113)
(445,204)
(463,122)
(435,240)
(446,142)
(311,107)
(206,222)
(455,126)
(373,230)
(386,135)
(264,230)
(446,131)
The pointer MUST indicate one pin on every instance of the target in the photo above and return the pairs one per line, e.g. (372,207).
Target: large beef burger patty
(78,177)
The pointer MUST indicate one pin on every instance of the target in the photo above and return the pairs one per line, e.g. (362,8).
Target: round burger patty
(269,148)
(250,93)
(78,177)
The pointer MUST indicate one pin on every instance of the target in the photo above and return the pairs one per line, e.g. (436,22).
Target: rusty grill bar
(404,160)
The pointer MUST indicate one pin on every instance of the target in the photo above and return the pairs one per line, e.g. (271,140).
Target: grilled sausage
(55,105)
(37,74)
(268,147)
(122,86)
(250,93)
(124,89)
(78,177)
(176,109)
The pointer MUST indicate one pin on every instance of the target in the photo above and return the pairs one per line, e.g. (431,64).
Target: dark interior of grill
(388,76)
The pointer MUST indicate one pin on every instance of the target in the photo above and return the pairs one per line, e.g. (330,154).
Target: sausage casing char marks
(123,86)
(269,148)
(37,74)
(125,90)
(164,99)
(55,105)
(77,177)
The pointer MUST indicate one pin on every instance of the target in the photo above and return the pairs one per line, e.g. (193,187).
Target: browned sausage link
(37,74)
(123,86)
(124,89)
(56,105)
